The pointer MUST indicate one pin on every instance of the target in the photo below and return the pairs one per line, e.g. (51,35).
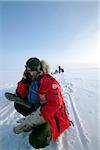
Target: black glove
(9,95)
(26,77)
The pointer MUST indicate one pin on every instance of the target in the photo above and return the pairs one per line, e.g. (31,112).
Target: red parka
(54,109)
(22,89)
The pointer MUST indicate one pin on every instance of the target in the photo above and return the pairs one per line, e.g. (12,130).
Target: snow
(80,90)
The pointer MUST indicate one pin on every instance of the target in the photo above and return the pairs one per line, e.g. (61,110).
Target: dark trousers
(40,135)
(22,109)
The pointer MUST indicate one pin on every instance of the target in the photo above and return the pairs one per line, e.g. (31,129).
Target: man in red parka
(51,119)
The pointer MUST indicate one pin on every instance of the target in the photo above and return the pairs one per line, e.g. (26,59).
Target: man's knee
(41,136)
(22,109)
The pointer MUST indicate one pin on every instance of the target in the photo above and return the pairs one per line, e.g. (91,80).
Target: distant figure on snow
(60,69)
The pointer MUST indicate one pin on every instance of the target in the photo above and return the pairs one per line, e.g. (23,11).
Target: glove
(26,77)
(21,128)
(29,122)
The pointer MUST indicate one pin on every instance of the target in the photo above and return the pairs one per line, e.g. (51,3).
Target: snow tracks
(67,88)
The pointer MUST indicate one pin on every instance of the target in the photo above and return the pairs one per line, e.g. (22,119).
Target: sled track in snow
(2,109)
(5,110)
(77,120)
(8,115)
(78,124)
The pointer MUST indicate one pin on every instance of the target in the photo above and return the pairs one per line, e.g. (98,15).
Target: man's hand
(30,121)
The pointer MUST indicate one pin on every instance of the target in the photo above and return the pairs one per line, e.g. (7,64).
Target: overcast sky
(58,32)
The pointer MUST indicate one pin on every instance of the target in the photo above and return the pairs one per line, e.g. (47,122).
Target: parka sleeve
(54,100)
(22,89)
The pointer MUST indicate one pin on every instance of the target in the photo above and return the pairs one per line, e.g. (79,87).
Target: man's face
(31,73)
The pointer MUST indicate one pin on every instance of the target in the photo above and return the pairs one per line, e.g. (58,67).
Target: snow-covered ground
(80,89)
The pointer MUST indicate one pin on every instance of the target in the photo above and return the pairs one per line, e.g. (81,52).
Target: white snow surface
(80,90)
